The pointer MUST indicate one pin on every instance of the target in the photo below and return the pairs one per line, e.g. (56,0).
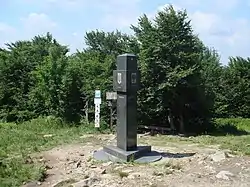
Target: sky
(221,24)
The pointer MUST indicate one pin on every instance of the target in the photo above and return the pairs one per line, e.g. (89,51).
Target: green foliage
(183,83)
(46,97)
(236,88)
(170,66)
(111,43)
(212,74)
(18,65)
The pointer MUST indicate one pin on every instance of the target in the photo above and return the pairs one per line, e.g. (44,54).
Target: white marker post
(97,102)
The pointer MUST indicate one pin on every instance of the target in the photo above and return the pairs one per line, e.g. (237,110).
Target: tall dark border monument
(126,82)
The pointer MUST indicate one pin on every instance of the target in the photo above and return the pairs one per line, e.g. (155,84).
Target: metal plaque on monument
(126,82)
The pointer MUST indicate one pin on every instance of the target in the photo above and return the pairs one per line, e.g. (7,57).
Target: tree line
(184,85)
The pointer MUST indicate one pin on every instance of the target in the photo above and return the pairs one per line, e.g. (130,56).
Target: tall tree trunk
(171,121)
(182,128)
(86,109)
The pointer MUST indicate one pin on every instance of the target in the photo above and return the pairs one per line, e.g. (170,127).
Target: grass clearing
(20,140)
(240,123)
(232,134)
(237,144)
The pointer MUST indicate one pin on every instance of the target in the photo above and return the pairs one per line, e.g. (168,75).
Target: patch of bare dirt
(181,165)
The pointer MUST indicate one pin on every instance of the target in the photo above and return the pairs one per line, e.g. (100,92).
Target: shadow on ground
(176,155)
(228,129)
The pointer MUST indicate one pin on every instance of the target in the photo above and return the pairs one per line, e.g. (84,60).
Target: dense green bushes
(183,83)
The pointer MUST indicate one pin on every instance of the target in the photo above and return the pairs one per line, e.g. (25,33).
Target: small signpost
(97,101)
(111,97)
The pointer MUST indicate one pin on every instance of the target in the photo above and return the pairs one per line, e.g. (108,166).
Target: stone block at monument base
(142,154)
(127,155)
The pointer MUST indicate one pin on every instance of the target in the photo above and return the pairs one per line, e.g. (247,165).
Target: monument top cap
(127,62)
(127,54)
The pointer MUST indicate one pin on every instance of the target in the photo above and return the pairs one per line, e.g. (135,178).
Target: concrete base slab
(142,154)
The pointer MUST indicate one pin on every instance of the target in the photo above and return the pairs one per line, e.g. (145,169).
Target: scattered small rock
(73,160)
(134,175)
(199,175)
(218,156)
(39,183)
(141,135)
(47,135)
(201,162)
(243,167)
(158,173)
(131,177)
(83,183)
(103,171)
(81,154)
(48,166)
(224,175)
(229,155)
(78,164)
(42,160)
(31,184)
(127,171)
(64,182)
(86,182)
(87,136)
(106,164)
(69,171)
(29,160)
(86,176)
(211,170)
(118,168)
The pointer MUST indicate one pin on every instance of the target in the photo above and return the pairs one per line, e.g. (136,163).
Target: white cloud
(229,36)
(6,32)
(52,5)
(152,15)
(213,5)
(38,23)
(176,7)
(32,25)
(6,29)
(226,5)
(119,14)
(204,22)
(67,4)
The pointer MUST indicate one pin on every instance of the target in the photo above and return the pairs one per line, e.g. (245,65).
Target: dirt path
(182,165)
